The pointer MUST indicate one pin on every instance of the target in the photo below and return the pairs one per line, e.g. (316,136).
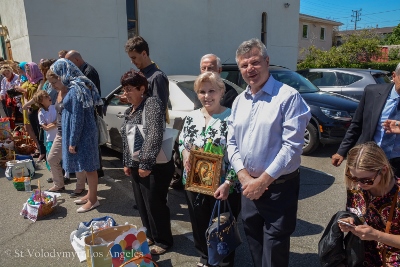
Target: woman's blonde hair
(4,68)
(39,96)
(211,77)
(368,157)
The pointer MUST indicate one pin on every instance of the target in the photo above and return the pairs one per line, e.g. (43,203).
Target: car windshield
(381,78)
(294,80)
(187,88)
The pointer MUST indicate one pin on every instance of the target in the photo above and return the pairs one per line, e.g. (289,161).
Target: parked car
(182,100)
(331,113)
(348,82)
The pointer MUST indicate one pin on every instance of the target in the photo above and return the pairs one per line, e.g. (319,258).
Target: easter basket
(39,205)
(25,146)
(6,139)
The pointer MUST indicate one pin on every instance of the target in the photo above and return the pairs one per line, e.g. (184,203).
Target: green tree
(394,37)
(361,46)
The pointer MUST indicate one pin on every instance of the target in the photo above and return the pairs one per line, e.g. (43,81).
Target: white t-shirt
(47,117)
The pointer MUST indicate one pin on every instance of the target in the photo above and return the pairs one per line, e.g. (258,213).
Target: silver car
(182,100)
(348,82)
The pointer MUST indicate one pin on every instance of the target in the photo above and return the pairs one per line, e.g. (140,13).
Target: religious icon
(205,172)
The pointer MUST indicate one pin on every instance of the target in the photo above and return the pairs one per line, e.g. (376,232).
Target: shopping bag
(19,168)
(102,127)
(131,249)
(222,234)
(135,135)
(115,245)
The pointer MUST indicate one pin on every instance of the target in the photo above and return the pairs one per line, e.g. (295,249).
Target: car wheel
(311,141)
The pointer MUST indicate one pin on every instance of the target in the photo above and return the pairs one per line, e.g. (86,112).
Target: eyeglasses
(364,180)
(128,90)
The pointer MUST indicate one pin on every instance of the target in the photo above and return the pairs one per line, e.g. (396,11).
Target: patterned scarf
(35,75)
(71,76)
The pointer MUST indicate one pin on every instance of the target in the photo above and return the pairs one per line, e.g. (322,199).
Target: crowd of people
(259,176)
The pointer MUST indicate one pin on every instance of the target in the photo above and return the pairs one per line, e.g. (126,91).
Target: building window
(305,31)
(264,28)
(131,14)
(322,34)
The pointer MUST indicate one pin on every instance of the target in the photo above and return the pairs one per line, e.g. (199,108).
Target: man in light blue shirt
(265,140)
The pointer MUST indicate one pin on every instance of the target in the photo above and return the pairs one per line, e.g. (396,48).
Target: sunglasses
(364,180)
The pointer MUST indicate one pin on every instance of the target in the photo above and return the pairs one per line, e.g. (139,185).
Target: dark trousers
(269,221)
(395,163)
(34,120)
(151,198)
(200,207)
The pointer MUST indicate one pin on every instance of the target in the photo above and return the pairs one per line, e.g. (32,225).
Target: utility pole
(356,15)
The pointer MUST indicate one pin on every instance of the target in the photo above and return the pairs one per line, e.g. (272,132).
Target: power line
(356,15)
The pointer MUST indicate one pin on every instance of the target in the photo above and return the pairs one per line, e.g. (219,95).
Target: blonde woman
(372,188)
(202,125)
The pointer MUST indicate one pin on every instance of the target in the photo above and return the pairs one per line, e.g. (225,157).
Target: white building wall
(13,15)
(96,28)
(180,32)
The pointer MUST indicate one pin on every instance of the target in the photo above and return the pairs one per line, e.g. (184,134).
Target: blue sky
(374,12)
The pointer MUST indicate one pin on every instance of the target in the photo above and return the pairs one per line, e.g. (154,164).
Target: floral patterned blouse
(194,133)
(375,212)
(153,130)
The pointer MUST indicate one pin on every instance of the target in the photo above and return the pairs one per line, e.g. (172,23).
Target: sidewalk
(46,241)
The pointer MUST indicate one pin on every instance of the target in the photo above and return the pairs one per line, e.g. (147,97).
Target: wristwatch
(229,182)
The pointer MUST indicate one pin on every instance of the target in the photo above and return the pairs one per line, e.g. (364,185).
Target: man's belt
(286,177)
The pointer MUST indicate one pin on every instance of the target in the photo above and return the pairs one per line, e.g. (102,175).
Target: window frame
(324,33)
(136,20)
(302,32)
(264,18)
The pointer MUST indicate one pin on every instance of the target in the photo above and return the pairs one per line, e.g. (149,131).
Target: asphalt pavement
(46,241)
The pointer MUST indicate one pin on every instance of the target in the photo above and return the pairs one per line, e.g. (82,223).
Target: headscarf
(22,77)
(35,74)
(71,76)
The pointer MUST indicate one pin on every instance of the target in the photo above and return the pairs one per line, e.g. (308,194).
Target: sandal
(156,250)
(56,189)
(76,194)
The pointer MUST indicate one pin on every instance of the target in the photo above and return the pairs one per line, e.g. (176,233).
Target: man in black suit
(378,103)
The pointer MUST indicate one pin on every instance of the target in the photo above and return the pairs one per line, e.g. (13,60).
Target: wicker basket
(25,146)
(45,209)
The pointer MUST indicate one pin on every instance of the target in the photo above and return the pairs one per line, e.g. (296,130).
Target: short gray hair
(247,46)
(219,65)
(397,70)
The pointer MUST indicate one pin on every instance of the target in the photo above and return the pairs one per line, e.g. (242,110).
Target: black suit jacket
(367,116)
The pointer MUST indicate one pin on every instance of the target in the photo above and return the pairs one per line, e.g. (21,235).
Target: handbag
(222,235)
(135,136)
(102,127)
